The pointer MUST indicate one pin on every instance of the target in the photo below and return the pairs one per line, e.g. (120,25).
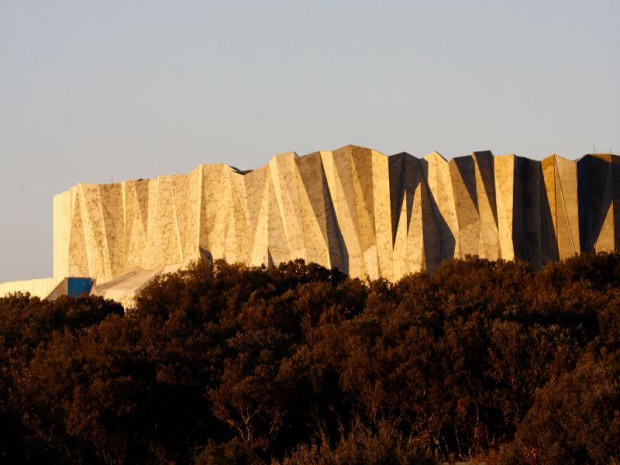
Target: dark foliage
(297,364)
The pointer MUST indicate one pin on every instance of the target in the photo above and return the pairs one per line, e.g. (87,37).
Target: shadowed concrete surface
(354,208)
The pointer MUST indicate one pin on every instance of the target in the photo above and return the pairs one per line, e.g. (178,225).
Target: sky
(114,90)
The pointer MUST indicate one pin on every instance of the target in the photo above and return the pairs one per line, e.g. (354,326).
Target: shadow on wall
(599,202)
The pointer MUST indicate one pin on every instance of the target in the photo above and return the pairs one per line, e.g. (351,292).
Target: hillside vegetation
(299,365)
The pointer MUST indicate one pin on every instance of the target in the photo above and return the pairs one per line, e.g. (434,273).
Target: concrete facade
(354,208)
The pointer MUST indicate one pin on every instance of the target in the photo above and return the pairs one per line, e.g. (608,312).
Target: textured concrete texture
(355,209)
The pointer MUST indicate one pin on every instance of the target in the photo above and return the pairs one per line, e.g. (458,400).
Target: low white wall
(36,287)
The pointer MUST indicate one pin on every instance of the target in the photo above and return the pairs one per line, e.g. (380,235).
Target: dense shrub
(222,364)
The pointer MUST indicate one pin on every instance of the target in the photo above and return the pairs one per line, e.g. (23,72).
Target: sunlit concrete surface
(354,208)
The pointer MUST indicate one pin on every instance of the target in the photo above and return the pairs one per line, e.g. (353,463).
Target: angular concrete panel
(354,209)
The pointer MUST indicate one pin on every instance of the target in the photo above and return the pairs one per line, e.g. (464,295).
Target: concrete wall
(353,208)
(41,288)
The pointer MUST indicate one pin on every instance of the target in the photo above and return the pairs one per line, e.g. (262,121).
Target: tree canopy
(300,365)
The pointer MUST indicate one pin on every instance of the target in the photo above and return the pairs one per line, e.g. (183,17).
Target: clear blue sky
(91,91)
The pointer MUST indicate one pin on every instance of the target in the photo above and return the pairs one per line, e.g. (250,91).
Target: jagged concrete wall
(354,208)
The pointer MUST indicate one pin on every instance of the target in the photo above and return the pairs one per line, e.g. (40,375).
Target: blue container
(77,287)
